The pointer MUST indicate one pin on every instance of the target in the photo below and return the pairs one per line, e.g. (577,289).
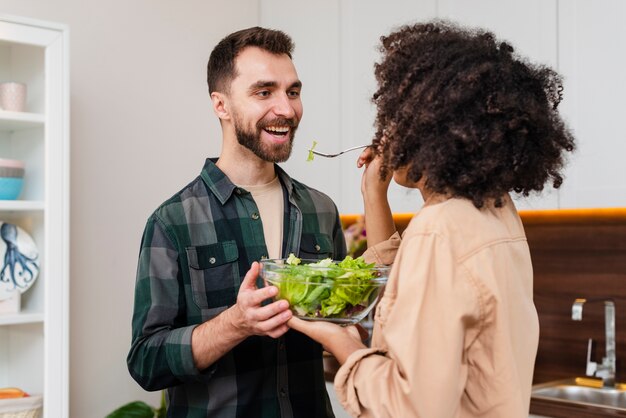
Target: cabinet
(34,343)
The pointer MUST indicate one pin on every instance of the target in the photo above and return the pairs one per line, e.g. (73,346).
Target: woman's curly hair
(460,108)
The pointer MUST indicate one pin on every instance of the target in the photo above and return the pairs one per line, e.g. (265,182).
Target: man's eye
(294,93)
(263,93)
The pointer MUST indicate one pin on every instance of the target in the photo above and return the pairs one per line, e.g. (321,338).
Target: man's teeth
(278,129)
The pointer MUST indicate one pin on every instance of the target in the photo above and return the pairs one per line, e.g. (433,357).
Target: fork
(323,154)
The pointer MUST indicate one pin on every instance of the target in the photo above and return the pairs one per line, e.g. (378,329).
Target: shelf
(21,205)
(34,344)
(15,121)
(20,318)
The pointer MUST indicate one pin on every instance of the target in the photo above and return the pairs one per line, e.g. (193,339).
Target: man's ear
(220,107)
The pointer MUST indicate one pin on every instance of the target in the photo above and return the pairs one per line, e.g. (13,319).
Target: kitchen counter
(554,409)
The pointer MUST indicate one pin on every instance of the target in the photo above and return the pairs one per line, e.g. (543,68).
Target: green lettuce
(336,290)
(311,155)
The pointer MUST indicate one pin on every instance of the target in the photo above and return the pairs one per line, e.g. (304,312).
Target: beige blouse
(456,331)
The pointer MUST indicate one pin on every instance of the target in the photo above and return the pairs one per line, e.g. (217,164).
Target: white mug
(13,96)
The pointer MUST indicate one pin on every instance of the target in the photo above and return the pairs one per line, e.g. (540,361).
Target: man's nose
(285,106)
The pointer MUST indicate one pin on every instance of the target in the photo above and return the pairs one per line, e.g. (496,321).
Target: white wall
(592,40)
(140,129)
(315,30)
(336,49)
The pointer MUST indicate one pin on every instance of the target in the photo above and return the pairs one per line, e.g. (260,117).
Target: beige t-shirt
(269,200)
(456,332)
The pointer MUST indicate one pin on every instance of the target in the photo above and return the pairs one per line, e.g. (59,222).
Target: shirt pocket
(384,307)
(316,246)
(214,275)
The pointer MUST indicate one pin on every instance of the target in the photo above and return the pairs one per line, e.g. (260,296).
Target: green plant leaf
(137,409)
(162,411)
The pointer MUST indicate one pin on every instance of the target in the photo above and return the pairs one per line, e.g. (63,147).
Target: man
(201,326)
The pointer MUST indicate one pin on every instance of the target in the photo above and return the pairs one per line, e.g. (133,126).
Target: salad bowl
(343,292)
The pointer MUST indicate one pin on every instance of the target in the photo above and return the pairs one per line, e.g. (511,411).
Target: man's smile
(277,130)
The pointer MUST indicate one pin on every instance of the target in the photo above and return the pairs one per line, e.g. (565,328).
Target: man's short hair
(221,67)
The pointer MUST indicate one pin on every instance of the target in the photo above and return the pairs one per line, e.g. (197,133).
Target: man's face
(265,103)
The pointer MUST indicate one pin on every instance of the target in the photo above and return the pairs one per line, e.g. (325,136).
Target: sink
(582,391)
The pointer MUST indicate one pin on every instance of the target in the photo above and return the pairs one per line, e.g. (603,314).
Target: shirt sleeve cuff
(180,357)
(384,252)
(344,380)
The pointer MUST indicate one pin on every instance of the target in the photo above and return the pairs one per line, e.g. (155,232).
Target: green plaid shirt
(196,248)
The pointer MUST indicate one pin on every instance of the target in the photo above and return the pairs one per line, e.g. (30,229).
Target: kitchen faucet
(606,370)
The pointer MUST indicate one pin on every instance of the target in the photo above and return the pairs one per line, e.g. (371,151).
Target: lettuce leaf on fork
(311,155)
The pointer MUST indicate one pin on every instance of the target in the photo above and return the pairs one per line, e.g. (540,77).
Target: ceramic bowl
(11,179)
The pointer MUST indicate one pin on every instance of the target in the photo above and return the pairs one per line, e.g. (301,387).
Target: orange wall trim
(533,217)
(574,216)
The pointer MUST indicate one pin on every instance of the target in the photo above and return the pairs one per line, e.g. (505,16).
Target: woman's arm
(417,364)
(379,224)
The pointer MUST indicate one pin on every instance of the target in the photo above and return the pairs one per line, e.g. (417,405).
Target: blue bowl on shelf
(10,187)
(11,178)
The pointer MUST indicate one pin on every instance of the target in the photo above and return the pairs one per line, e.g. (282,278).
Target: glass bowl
(321,290)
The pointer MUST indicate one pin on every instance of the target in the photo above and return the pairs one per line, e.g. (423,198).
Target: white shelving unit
(34,343)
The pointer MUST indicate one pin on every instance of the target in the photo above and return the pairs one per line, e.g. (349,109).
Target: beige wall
(140,129)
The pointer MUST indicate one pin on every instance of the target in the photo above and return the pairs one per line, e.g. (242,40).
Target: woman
(465,121)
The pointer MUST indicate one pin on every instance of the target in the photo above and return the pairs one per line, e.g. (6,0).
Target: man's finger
(275,321)
(265,312)
(249,280)
(256,296)
(277,332)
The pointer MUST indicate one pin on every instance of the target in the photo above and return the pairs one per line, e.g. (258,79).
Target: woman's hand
(379,223)
(337,340)
(371,183)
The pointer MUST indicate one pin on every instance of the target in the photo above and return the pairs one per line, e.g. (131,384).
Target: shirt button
(212,260)
(281,345)
(238,190)
(283,392)
(317,248)
(255,216)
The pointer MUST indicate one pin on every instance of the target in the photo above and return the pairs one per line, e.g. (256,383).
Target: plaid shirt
(196,248)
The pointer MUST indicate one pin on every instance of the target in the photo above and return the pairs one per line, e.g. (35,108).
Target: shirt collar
(223,188)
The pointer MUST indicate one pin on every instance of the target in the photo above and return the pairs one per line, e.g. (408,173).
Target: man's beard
(251,139)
